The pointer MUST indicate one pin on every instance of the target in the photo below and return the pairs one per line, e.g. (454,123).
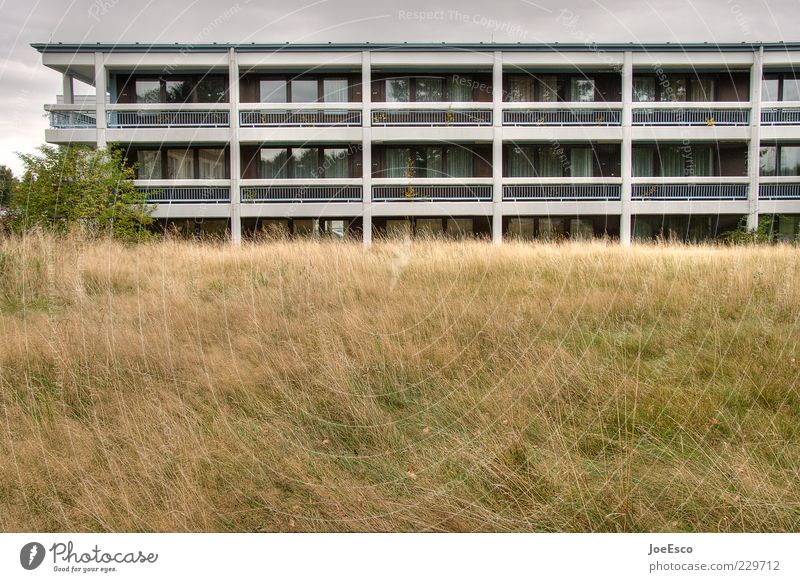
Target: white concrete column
(366,146)
(67,89)
(497,148)
(754,144)
(236,163)
(626,165)
(100,84)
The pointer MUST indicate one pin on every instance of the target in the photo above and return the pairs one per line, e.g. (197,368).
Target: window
(305,226)
(582,89)
(520,162)
(211,90)
(180,164)
(790,160)
(788,228)
(671,161)
(179,91)
(581,229)
(211,164)
(399,163)
(520,88)
(304,91)
(460,88)
(702,89)
(581,162)
(334,90)
(149,164)
(674,90)
(459,227)
(398,228)
(791,89)
(429,162)
(459,162)
(305,162)
(429,89)
(644,89)
(148,91)
(551,228)
(397,90)
(701,162)
(272,91)
(336,229)
(429,226)
(767,158)
(548,88)
(273,164)
(642,162)
(520,228)
(769,89)
(335,163)
(552,160)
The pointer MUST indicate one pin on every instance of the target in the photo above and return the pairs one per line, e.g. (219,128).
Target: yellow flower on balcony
(410,192)
(709,121)
(449,117)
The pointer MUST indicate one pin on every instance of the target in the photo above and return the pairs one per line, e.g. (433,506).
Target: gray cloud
(25,85)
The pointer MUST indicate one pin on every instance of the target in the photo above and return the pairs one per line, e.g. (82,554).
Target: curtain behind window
(399,163)
(703,161)
(671,161)
(548,88)
(520,88)
(180,164)
(642,162)
(581,162)
(702,89)
(149,165)
(459,163)
(460,88)
(520,162)
(551,163)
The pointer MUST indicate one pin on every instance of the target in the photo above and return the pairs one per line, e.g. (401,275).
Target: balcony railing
(561,192)
(596,117)
(168,118)
(780,116)
(697,116)
(431,117)
(186,194)
(432,192)
(301,193)
(73,119)
(689,192)
(300,118)
(780,191)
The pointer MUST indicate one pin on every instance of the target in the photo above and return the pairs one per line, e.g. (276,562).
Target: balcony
(421,114)
(301,191)
(73,119)
(562,189)
(185,191)
(158,115)
(431,190)
(560,114)
(780,113)
(690,188)
(779,188)
(691,114)
(300,115)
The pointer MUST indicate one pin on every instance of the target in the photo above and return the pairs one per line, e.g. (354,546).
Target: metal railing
(186,194)
(305,193)
(428,192)
(689,192)
(299,118)
(422,117)
(561,192)
(708,117)
(779,191)
(151,118)
(780,116)
(73,119)
(597,117)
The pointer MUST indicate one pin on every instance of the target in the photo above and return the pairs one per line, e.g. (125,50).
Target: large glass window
(272,91)
(581,229)
(769,89)
(211,164)
(552,161)
(304,91)
(548,88)
(460,88)
(334,90)
(581,89)
(179,91)
(273,164)
(702,89)
(791,89)
(702,161)
(581,162)
(429,89)
(551,228)
(211,90)
(520,161)
(148,91)
(643,162)
(305,162)
(459,227)
(767,160)
(429,227)
(790,160)
(335,162)
(520,228)
(429,162)
(644,89)
(674,90)
(149,165)
(399,163)
(520,88)
(398,90)
(180,164)
(671,161)
(459,162)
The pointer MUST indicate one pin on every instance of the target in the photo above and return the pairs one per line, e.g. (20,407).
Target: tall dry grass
(441,386)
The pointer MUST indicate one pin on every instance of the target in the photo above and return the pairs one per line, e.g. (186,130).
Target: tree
(6,185)
(75,186)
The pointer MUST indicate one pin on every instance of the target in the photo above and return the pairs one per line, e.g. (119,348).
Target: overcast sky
(25,85)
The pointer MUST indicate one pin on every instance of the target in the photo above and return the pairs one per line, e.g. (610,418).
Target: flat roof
(413,46)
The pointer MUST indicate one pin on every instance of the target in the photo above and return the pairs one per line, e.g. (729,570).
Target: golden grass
(433,386)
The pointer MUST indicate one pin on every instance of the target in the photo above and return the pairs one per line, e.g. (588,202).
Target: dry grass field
(427,386)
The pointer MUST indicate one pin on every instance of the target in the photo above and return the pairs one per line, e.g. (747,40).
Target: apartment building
(628,141)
